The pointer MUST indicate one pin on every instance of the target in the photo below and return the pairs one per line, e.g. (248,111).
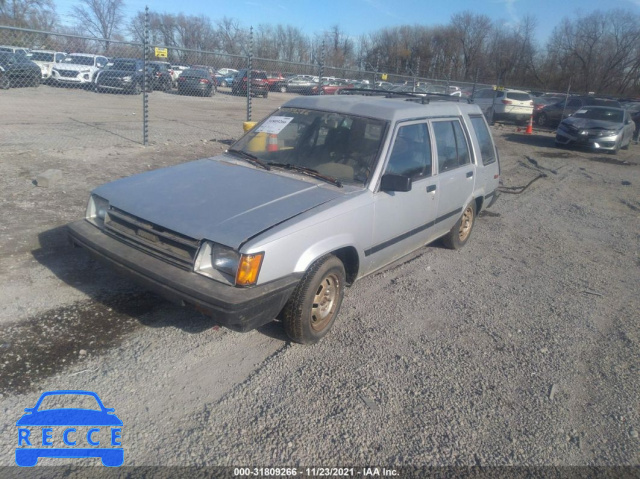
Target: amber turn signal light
(248,269)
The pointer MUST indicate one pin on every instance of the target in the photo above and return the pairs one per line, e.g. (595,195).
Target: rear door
(456,171)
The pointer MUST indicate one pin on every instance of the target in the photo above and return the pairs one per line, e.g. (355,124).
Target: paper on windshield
(274,124)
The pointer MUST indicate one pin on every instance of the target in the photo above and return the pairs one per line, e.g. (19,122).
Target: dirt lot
(520,349)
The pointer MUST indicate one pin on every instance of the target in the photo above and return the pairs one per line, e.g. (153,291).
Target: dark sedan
(597,127)
(196,82)
(553,114)
(161,75)
(18,70)
(125,75)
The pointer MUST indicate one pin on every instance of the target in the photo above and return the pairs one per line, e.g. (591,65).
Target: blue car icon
(99,419)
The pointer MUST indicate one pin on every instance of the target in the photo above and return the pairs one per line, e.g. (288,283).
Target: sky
(360,17)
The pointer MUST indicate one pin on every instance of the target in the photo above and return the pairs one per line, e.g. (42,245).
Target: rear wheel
(283,88)
(461,231)
(5,83)
(542,119)
(315,303)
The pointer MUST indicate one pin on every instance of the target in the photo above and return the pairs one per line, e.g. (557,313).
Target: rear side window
(451,144)
(487,149)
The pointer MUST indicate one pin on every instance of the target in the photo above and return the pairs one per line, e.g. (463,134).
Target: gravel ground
(520,349)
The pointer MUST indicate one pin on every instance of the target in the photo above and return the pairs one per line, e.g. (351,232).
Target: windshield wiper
(308,171)
(249,157)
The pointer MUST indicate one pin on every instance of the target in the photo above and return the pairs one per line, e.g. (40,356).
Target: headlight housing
(606,133)
(228,265)
(97,210)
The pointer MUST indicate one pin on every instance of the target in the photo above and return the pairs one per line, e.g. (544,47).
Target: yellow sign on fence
(161,52)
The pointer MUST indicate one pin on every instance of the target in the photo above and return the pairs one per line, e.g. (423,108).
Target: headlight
(607,133)
(97,210)
(227,265)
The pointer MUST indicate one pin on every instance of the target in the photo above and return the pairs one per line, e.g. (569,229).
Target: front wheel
(315,303)
(461,231)
(283,88)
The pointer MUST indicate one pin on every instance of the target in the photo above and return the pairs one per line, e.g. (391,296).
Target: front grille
(68,73)
(155,240)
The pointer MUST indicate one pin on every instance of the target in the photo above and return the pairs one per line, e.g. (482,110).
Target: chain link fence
(65,91)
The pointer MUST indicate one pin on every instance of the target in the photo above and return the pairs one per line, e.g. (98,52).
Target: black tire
(542,120)
(36,81)
(283,88)
(5,83)
(266,94)
(223,83)
(461,231)
(626,147)
(137,88)
(210,93)
(315,303)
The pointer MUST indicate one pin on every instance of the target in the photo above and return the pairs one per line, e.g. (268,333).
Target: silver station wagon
(317,195)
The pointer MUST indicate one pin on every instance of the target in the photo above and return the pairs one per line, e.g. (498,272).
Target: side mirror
(391,182)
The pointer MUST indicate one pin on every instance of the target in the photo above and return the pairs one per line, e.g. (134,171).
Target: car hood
(214,199)
(69,417)
(588,124)
(73,66)
(119,73)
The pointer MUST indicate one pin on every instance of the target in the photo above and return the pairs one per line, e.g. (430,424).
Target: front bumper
(239,309)
(588,141)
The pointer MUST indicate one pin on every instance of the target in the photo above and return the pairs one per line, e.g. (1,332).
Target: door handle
(431,188)
(470,174)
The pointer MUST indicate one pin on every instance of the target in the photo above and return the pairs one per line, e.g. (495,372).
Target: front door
(403,221)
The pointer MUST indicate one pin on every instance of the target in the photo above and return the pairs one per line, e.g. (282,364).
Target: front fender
(324,247)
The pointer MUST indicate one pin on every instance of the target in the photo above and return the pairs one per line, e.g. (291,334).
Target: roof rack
(423,98)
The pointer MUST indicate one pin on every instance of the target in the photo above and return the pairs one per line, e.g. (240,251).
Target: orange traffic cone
(272,143)
(529,129)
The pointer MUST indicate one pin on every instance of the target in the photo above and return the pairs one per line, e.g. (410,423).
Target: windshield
(603,114)
(195,73)
(126,65)
(64,401)
(41,56)
(79,60)
(340,146)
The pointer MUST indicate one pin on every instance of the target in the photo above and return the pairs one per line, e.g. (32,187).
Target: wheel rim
(466,223)
(325,302)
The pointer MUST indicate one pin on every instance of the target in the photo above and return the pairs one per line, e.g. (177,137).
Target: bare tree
(99,18)
(472,31)
(35,14)
(231,36)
